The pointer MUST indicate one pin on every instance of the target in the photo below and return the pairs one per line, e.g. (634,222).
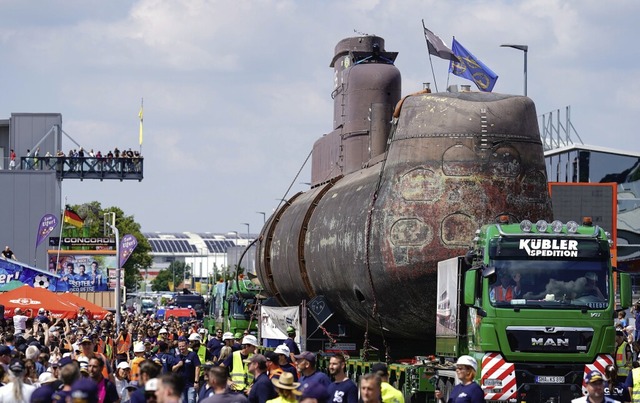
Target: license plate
(549,379)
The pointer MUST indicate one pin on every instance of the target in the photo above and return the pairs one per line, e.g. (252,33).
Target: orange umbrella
(93,311)
(30,299)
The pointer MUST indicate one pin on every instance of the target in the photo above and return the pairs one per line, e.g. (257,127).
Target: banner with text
(83,271)
(127,244)
(47,223)
(14,274)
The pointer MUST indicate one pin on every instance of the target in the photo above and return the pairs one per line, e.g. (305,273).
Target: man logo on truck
(549,342)
(550,247)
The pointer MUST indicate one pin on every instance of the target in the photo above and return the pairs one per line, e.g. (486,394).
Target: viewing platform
(87,167)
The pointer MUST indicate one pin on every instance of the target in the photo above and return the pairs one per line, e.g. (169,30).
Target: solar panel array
(217,246)
(172,246)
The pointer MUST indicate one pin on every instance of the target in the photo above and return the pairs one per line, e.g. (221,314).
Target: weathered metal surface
(455,161)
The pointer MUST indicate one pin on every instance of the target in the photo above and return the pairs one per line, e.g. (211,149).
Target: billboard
(82,270)
(14,274)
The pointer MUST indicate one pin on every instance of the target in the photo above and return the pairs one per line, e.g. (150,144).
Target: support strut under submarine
(397,186)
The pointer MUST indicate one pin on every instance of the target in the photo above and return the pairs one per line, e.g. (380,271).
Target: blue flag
(471,68)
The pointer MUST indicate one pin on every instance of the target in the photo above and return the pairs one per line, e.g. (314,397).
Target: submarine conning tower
(367,87)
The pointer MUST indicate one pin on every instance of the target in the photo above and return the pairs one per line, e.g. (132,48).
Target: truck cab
(539,302)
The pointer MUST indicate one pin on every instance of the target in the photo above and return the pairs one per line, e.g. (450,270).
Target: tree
(140,259)
(175,270)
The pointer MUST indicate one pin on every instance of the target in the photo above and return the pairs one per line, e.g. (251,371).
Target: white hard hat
(202,330)
(227,336)
(46,377)
(283,349)
(162,331)
(250,340)
(123,365)
(138,348)
(468,361)
(194,337)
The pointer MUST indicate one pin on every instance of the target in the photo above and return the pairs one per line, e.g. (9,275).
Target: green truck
(533,303)
(233,306)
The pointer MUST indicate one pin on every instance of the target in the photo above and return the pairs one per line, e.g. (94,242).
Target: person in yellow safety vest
(203,354)
(633,384)
(240,378)
(389,394)
(286,388)
(624,357)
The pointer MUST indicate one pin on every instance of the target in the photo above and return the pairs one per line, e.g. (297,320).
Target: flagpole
(141,116)
(433,73)
(60,237)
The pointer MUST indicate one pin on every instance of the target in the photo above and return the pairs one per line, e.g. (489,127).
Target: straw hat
(285,381)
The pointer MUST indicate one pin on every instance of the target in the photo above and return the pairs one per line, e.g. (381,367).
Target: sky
(237,92)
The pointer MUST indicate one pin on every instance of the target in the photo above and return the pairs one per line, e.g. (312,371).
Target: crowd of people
(44,359)
(77,159)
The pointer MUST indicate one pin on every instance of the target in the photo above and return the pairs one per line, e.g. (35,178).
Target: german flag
(71,217)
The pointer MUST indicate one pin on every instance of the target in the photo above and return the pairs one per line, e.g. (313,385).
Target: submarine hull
(369,241)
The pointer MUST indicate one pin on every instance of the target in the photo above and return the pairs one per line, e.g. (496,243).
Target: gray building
(28,194)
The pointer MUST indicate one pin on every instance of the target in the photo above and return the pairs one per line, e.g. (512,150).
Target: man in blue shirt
(262,388)
(290,342)
(306,362)
(343,389)
(189,370)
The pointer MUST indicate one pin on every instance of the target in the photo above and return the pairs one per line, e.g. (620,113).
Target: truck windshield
(553,284)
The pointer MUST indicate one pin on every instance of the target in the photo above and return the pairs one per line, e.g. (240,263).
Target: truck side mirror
(470,286)
(625,290)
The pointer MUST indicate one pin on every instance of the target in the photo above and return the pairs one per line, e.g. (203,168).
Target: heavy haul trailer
(401,184)
(539,344)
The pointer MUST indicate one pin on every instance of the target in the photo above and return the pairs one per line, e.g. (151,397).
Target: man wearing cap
(343,389)
(290,342)
(262,388)
(388,393)
(238,370)
(306,363)
(273,365)
(16,390)
(42,316)
(595,390)
(69,373)
(87,351)
(470,391)
(316,393)
(237,341)
(189,369)
(84,391)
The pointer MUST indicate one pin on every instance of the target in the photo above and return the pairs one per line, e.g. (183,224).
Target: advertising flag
(72,218)
(127,244)
(437,47)
(47,223)
(471,68)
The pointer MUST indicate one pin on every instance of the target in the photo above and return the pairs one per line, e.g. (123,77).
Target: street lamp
(248,235)
(525,49)
(264,216)
(236,247)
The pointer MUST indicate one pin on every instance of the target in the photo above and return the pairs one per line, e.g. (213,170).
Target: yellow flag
(141,116)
